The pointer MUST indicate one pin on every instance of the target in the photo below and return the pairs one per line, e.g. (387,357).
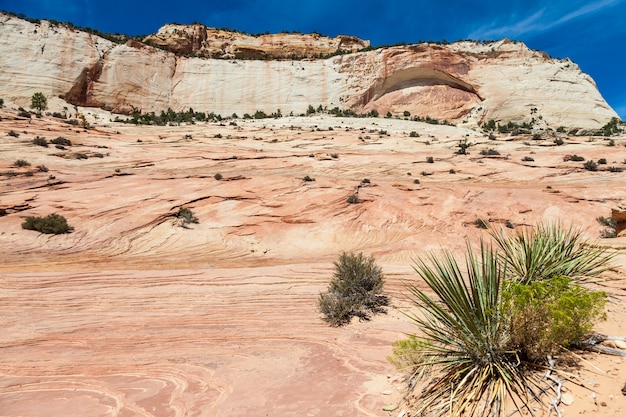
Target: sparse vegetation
(575,158)
(414,134)
(13,133)
(489,152)
(308,179)
(558,141)
(218,176)
(602,161)
(528,159)
(365,181)
(186,217)
(40,142)
(21,163)
(463,145)
(430,159)
(590,165)
(61,141)
(354,291)
(42,168)
(51,224)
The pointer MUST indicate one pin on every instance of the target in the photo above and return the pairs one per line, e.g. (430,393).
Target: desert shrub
(365,181)
(430,159)
(81,155)
(308,179)
(558,141)
(1,103)
(489,152)
(40,142)
(414,134)
(24,113)
(61,141)
(575,158)
(334,155)
(29,173)
(354,291)
(451,171)
(13,133)
(51,224)
(528,159)
(602,161)
(353,199)
(42,168)
(550,314)
(590,165)
(186,216)
(463,145)
(218,176)
(615,169)
(21,163)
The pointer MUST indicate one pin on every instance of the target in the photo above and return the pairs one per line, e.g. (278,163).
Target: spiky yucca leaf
(550,250)
(463,341)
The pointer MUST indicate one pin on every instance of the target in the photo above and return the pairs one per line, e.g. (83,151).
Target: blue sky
(591,33)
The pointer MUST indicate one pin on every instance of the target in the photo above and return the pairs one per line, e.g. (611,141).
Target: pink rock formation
(463,82)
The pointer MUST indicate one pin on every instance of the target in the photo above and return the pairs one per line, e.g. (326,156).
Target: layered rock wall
(463,82)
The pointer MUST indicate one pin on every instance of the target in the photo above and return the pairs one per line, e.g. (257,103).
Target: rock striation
(463,82)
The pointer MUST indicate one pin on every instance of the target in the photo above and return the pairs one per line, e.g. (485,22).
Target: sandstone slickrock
(464,82)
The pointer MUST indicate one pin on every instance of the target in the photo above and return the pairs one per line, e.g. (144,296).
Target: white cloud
(541,20)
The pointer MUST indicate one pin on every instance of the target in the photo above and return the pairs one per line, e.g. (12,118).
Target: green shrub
(575,158)
(489,152)
(51,224)
(354,291)
(590,165)
(463,146)
(414,134)
(186,216)
(61,141)
(40,142)
(21,163)
(547,315)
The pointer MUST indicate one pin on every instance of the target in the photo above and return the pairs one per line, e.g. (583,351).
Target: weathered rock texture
(464,82)
(200,40)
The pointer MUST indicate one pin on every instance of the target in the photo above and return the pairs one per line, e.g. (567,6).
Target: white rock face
(464,82)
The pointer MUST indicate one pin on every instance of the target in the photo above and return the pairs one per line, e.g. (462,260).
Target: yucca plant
(463,341)
(549,250)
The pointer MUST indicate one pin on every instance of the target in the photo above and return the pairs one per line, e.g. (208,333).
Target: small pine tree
(39,102)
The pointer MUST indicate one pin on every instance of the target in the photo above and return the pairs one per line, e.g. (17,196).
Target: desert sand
(134,315)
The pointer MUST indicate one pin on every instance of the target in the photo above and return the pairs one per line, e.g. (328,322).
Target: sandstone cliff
(202,41)
(464,82)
